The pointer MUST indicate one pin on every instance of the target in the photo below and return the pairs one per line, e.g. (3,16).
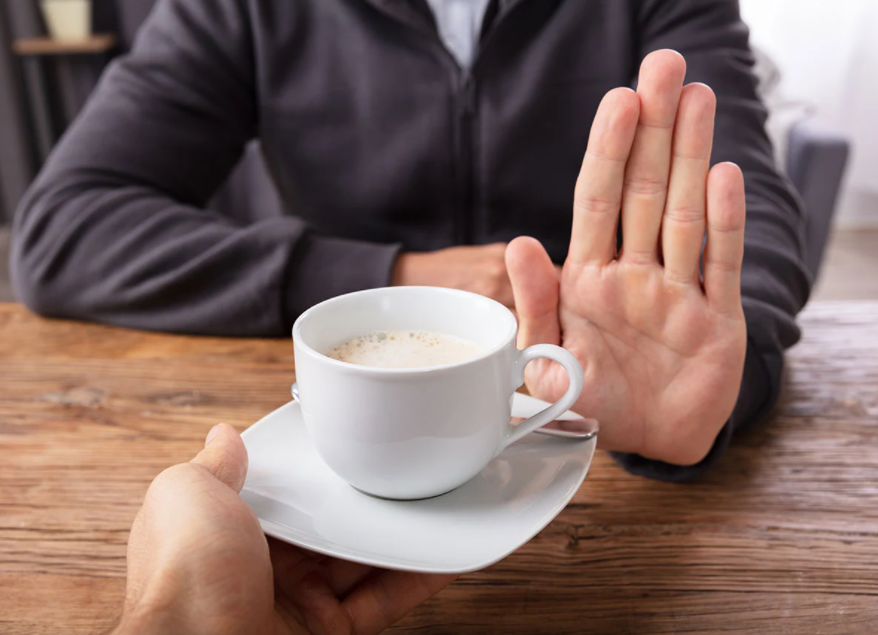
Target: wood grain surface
(781,538)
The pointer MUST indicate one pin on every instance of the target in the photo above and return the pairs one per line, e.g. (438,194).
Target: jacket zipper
(464,216)
(464,229)
(465,219)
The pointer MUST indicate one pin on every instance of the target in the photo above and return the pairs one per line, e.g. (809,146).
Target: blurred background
(817,64)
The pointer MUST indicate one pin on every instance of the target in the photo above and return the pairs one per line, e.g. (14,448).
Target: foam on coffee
(405,349)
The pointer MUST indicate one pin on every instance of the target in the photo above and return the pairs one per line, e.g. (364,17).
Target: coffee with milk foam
(405,349)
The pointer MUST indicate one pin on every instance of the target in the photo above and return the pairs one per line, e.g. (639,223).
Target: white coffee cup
(410,433)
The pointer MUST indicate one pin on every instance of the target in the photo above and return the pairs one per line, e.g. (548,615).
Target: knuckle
(595,205)
(645,185)
(602,157)
(171,476)
(495,271)
(679,278)
(495,290)
(495,287)
(685,215)
(723,266)
(726,228)
(639,256)
(657,123)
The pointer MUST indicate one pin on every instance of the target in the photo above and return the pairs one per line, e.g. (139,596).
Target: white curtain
(827,51)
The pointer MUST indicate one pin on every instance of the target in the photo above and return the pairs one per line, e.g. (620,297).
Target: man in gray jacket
(410,140)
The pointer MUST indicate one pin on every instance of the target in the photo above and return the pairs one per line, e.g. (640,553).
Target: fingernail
(212,435)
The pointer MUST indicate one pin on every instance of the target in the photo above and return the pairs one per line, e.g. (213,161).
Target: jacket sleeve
(775,282)
(115,228)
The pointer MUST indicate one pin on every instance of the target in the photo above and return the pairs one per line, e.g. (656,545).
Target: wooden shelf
(94,45)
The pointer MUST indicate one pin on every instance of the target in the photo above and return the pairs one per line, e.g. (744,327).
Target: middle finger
(646,177)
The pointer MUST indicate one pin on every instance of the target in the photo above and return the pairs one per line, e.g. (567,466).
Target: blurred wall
(827,52)
(66,87)
(17,163)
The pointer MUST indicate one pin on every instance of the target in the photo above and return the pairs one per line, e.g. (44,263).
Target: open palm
(662,346)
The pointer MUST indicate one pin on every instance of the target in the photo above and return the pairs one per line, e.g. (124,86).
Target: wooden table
(782,537)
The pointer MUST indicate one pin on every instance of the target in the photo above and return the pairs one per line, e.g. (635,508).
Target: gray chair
(813,155)
(816,160)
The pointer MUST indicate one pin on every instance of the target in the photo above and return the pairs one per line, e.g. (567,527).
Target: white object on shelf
(67,20)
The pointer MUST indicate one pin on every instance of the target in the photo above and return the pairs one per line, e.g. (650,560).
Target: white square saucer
(299,500)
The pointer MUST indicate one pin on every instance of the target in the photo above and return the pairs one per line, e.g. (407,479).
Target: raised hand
(662,346)
(198,562)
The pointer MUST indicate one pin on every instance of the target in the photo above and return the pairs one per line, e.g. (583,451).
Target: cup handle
(574,372)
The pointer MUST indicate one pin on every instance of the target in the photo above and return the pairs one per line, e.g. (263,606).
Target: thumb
(535,286)
(224,456)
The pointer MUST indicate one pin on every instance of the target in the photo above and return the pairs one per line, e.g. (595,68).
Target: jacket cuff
(326,267)
(754,402)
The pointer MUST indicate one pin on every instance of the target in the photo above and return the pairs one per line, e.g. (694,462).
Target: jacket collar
(408,12)
(416,13)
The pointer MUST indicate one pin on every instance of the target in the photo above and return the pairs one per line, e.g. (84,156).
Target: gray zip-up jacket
(378,141)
